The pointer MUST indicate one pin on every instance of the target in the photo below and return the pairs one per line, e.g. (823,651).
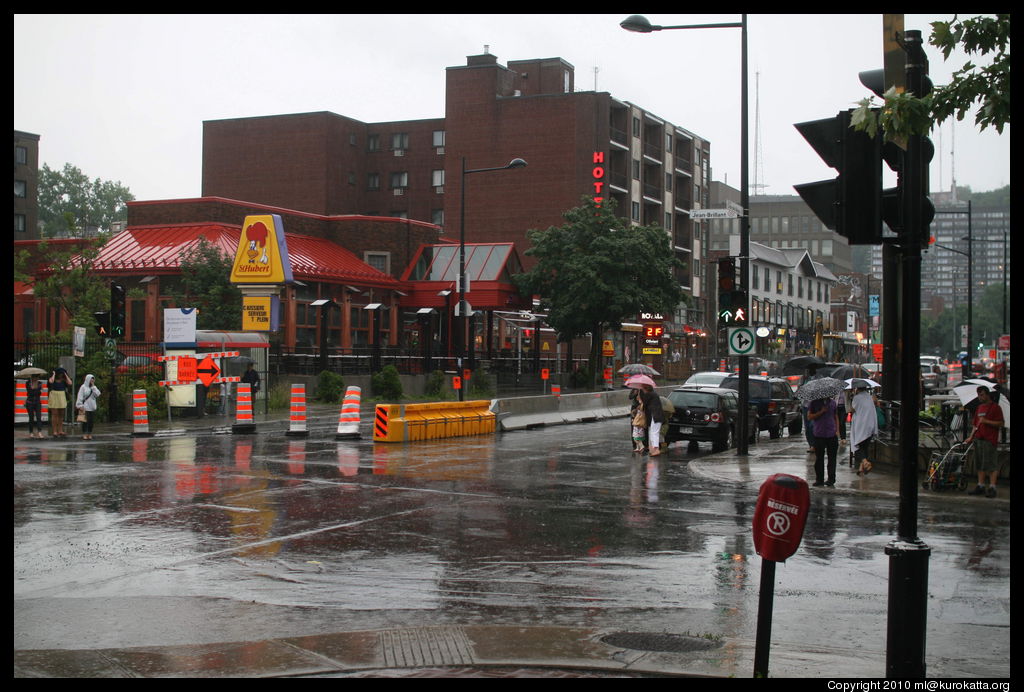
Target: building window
(636,211)
(373,181)
(437,178)
(778,282)
(826,248)
(399,180)
(19,223)
(756,278)
(437,139)
(400,141)
(790,277)
(21,155)
(381,261)
(373,143)
(437,217)
(20,188)
(636,170)
(668,221)
(636,127)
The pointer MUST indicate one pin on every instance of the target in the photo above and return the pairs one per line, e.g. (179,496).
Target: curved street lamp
(639,24)
(461,305)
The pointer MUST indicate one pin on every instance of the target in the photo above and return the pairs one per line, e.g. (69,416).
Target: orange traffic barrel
(297,418)
(243,411)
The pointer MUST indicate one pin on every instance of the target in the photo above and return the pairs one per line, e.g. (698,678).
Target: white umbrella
(968,392)
(858,382)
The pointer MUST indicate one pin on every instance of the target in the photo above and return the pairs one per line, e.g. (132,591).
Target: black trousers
(823,446)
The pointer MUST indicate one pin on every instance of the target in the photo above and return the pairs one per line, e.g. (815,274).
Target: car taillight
(771,406)
(716,417)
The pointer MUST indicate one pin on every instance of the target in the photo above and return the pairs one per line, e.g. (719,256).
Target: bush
(386,384)
(480,385)
(330,387)
(279,398)
(434,386)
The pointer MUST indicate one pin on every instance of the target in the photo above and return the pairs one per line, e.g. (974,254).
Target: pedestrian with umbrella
(822,415)
(864,425)
(653,413)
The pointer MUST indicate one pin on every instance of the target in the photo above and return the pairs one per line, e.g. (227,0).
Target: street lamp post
(461,305)
(638,23)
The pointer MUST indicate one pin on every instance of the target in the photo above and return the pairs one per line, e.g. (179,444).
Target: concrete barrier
(523,413)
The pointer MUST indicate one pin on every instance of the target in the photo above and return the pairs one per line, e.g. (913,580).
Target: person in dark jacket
(252,378)
(33,404)
(655,417)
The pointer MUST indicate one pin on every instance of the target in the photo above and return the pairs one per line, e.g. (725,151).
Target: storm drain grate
(654,641)
(425,646)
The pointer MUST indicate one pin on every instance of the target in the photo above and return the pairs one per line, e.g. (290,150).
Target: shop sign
(262,255)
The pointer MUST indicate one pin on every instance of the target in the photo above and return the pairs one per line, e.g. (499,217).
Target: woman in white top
(88,396)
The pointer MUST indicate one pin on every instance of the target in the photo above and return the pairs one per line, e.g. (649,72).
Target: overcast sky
(124,97)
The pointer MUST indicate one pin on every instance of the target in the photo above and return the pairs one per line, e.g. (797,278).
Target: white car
(706,380)
(939,368)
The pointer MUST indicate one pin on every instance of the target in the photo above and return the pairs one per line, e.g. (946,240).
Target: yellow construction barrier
(433,421)
(388,424)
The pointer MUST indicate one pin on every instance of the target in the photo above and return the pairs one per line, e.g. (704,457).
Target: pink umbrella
(637,381)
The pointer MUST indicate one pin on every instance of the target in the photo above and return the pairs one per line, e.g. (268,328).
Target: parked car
(941,370)
(705,380)
(708,415)
(929,378)
(777,405)
(140,365)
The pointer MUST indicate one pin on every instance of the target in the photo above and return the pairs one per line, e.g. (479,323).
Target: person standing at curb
(60,385)
(88,395)
(988,418)
(863,428)
(822,414)
(33,404)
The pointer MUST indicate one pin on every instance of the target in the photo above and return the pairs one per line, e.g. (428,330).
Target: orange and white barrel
(243,411)
(140,414)
(297,417)
(20,397)
(348,419)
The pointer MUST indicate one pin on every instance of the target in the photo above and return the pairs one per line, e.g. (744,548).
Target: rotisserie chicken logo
(262,255)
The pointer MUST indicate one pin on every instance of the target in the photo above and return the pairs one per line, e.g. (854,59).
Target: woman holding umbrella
(864,426)
(822,416)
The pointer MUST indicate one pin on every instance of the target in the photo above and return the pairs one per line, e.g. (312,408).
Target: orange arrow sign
(207,371)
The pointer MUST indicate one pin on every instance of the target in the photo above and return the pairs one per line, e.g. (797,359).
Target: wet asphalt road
(216,537)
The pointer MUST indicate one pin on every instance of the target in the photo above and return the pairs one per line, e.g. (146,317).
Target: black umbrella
(800,364)
(638,369)
(845,372)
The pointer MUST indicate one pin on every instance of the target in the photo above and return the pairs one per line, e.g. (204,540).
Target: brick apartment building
(575,143)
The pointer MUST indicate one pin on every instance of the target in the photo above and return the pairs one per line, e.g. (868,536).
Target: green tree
(206,284)
(72,205)
(986,87)
(66,278)
(597,270)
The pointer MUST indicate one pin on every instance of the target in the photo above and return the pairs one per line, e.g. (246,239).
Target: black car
(777,405)
(707,415)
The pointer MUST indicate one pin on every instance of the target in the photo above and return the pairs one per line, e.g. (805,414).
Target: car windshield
(759,389)
(693,400)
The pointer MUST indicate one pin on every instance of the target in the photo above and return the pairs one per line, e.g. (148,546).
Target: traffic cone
(243,411)
(140,415)
(348,419)
(297,419)
(44,404)
(20,397)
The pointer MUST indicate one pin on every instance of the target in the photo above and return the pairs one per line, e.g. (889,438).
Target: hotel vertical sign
(260,268)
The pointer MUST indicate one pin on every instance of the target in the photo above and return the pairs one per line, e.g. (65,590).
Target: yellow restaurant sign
(262,255)
(260,313)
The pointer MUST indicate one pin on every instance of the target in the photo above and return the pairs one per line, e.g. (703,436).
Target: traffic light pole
(742,433)
(908,555)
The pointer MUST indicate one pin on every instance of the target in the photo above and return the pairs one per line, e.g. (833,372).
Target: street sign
(187,369)
(110,349)
(741,341)
(207,371)
(700,214)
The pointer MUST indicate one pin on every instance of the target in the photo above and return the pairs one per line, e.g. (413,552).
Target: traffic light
(851,204)
(732,305)
(897,156)
(102,323)
(117,309)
